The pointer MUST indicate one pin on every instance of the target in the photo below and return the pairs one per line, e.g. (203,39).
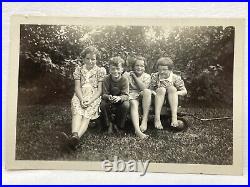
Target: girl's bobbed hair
(165,61)
(136,59)
(90,50)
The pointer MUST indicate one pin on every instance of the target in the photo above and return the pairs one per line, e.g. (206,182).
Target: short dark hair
(116,61)
(165,61)
(90,50)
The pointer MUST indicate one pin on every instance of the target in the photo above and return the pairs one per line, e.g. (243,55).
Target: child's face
(116,72)
(90,60)
(139,67)
(164,71)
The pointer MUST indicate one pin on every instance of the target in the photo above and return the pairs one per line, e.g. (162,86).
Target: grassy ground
(202,143)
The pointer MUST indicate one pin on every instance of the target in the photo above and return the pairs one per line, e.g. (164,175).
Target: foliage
(203,55)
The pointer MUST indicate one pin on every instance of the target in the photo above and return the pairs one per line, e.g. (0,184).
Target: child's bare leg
(76,126)
(159,100)
(76,123)
(84,126)
(173,102)
(135,118)
(146,102)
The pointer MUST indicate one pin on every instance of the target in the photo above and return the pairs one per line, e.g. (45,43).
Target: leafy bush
(203,55)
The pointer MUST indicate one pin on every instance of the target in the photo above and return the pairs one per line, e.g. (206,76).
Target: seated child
(115,90)
(165,82)
(87,97)
(138,90)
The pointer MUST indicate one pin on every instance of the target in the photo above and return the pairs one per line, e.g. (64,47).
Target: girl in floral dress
(87,97)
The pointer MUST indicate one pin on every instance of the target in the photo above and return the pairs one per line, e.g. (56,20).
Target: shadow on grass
(202,143)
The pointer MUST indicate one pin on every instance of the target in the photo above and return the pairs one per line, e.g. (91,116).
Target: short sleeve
(101,74)
(77,73)
(147,80)
(179,83)
(126,75)
(153,81)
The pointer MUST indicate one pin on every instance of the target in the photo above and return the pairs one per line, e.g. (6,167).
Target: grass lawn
(202,143)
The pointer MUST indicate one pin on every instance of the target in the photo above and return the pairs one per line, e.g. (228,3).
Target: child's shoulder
(124,78)
(107,78)
(176,77)
(126,74)
(154,75)
(146,74)
(100,68)
(78,67)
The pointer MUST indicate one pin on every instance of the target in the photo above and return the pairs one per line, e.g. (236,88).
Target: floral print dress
(172,80)
(89,80)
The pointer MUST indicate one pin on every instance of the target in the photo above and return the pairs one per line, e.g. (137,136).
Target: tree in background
(203,56)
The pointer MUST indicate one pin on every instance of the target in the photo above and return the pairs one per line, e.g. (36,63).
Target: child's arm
(101,75)
(153,82)
(180,86)
(124,90)
(105,90)
(77,78)
(78,90)
(182,92)
(138,82)
(96,95)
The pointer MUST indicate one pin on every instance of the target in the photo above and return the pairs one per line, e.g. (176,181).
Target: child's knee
(172,89)
(125,105)
(161,91)
(147,92)
(104,105)
(133,103)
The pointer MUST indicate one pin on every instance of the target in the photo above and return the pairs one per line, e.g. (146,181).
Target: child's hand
(110,98)
(116,99)
(133,75)
(82,104)
(85,103)
(154,93)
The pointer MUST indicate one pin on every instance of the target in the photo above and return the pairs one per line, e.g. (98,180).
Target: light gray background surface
(163,10)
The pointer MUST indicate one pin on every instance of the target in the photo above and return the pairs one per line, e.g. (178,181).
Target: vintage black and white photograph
(135,92)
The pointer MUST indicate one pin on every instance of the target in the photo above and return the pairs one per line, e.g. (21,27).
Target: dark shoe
(74,141)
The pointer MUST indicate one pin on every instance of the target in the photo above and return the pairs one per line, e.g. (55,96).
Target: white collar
(88,71)
(170,78)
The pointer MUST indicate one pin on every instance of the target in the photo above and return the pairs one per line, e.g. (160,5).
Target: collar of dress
(88,72)
(169,79)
